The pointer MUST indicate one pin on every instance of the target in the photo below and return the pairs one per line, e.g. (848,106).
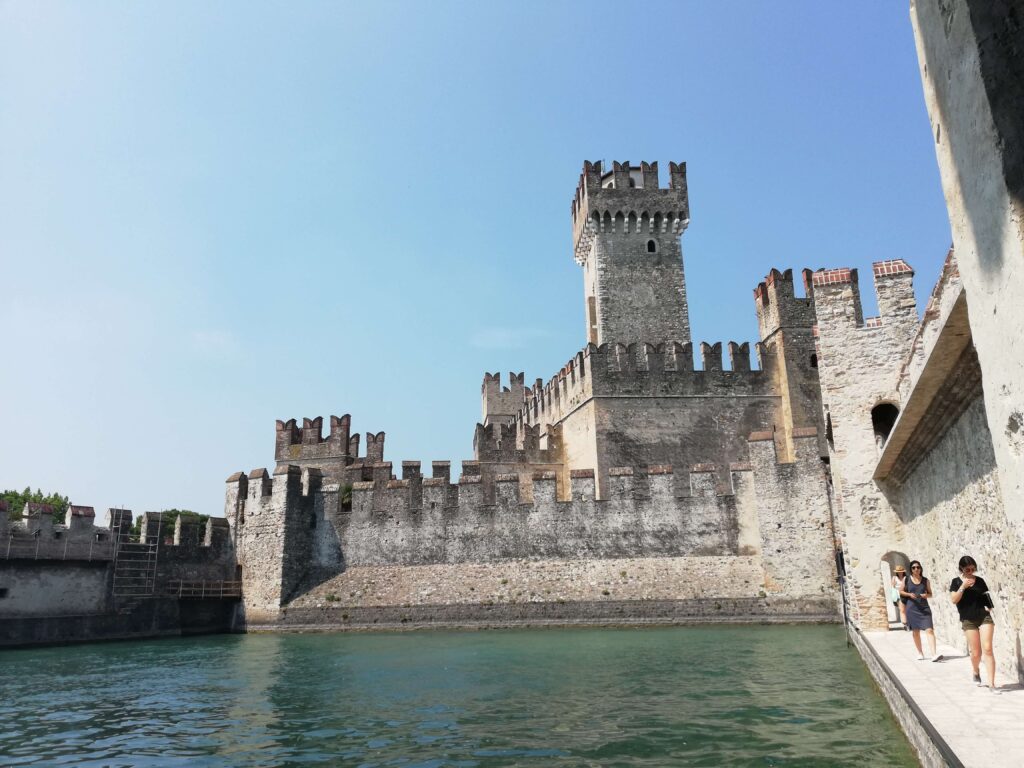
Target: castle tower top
(626,230)
(626,189)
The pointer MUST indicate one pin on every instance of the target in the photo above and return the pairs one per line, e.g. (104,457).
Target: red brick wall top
(834,276)
(891,267)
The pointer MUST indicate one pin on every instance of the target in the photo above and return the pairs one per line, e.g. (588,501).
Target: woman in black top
(969,594)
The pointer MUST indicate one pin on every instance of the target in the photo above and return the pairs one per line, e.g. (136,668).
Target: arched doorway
(889,561)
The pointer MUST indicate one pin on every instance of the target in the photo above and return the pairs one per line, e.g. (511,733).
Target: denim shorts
(970,624)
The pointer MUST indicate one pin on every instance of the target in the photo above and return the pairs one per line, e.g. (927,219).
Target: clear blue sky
(215,215)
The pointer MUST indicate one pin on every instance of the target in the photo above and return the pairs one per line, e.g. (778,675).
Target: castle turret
(626,232)
(307,448)
(859,364)
(786,323)
(500,405)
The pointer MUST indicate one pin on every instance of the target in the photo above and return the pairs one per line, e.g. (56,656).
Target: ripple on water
(680,696)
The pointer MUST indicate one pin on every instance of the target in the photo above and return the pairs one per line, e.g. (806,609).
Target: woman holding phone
(969,594)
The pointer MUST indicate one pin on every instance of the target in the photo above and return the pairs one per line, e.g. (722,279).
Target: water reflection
(683,696)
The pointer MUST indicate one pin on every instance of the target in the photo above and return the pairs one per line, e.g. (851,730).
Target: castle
(635,486)
(629,451)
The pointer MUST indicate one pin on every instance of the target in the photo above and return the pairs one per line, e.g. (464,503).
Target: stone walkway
(982,728)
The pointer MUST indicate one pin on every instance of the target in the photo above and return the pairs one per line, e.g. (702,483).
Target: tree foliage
(16,501)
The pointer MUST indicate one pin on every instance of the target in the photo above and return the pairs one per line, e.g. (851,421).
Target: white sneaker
(994,689)
(937,657)
(920,657)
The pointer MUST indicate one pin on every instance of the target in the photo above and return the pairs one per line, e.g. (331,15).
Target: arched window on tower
(883,416)
(652,247)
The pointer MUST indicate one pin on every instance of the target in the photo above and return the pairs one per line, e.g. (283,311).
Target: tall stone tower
(626,233)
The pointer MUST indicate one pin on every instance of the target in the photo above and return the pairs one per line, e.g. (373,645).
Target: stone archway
(885,566)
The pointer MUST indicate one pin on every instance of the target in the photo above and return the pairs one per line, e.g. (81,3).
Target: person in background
(899,581)
(916,591)
(969,594)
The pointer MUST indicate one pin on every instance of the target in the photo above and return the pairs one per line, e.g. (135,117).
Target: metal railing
(64,548)
(203,589)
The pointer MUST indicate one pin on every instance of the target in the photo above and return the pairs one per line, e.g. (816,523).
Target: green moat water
(693,696)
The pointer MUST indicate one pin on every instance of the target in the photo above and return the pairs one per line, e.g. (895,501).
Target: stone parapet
(624,201)
(644,370)
(658,511)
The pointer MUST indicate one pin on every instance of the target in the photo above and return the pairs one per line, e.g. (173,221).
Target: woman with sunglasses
(969,594)
(917,589)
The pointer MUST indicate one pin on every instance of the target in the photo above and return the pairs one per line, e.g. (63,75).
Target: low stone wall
(150,618)
(597,613)
(655,578)
(53,588)
(532,592)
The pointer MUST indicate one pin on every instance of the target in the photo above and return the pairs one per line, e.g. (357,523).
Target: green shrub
(170,521)
(16,503)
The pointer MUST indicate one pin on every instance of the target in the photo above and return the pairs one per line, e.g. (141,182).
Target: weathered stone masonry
(629,453)
(858,366)
(291,530)
(928,486)
(76,581)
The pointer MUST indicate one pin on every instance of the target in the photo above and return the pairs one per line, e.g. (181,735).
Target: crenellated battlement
(290,436)
(38,536)
(627,200)
(778,306)
(838,299)
(655,370)
(513,488)
(186,534)
(515,443)
(498,404)
(654,511)
(306,445)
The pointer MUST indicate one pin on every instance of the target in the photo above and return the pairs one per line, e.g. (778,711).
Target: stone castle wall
(646,404)
(858,363)
(928,488)
(73,581)
(292,532)
(969,52)
(788,351)
(640,405)
(550,592)
(950,506)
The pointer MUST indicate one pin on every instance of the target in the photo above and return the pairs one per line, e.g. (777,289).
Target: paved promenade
(981,728)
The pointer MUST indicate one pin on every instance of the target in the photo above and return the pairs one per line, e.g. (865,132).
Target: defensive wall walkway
(949,720)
